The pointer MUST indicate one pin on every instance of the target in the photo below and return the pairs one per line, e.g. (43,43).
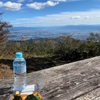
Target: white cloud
(36,5)
(65,0)
(50,3)
(41,5)
(1,4)
(75,17)
(98,16)
(12,6)
(64,18)
(87,17)
(24,0)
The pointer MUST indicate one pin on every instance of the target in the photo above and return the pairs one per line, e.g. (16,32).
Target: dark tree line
(62,48)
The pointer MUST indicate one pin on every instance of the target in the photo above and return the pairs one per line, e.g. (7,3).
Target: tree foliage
(4,30)
(62,48)
(94,37)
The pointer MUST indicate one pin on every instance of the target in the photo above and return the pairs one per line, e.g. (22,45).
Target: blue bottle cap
(19,54)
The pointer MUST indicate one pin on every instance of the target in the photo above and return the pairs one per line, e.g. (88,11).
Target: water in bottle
(19,68)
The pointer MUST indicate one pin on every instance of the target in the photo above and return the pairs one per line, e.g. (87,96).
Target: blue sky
(33,13)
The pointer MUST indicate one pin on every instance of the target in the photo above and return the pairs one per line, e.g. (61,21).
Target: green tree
(95,37)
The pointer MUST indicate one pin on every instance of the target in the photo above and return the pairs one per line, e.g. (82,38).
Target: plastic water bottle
(19,69)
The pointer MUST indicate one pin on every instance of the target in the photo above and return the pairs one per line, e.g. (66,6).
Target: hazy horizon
(79,32)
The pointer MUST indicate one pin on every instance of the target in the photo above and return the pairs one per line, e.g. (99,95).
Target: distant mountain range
(76,31)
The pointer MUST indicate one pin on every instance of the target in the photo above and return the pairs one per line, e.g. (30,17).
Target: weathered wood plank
(74,81)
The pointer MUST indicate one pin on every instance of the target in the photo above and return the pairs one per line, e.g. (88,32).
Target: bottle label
(19,69)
